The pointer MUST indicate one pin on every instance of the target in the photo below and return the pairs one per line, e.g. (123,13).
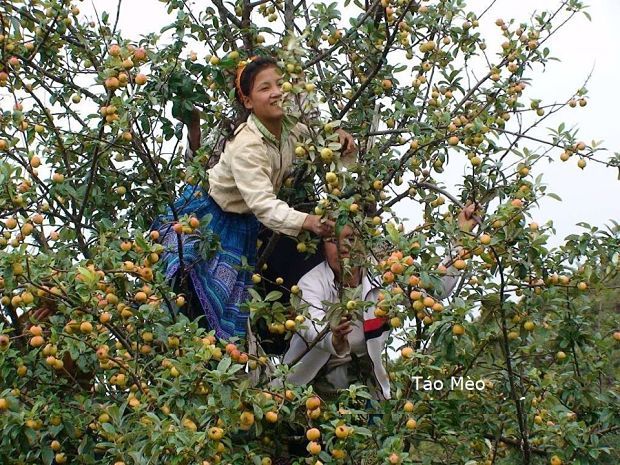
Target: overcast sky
(582,46)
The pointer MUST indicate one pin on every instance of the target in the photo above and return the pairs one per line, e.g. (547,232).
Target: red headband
(240,68)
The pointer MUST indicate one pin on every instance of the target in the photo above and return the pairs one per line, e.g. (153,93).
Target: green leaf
(393,232)
(224,364)
(47,455)
(341,222)
(140,241)
(138,457)
(255,295)
(108,427)
(363,431)
(273,296)
(90,278)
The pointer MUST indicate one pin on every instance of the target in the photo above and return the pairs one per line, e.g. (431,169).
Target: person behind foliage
(351,351)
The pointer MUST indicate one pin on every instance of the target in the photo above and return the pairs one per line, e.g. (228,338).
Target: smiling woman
(242,192)
(261,93)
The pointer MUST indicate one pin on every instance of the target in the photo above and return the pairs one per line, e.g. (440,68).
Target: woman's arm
(251,169)
(467,221)
(193,131)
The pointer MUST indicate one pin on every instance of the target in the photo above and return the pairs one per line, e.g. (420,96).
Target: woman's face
(265,97)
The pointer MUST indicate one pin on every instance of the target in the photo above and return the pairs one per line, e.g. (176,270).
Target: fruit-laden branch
(39,236)
(564,5)
(46,193)
(388,45)
(86,47)
(345,38)
(369,77)
(52,125)
(517,443)
(58,79)
(225,12)
(411,152)
(310,345)
(505,59)
(91,177)
(426,100)
(473,90)
(523,135)
(524,444)
(289,17)
(143,152)
(489,6)
(271,246)
(48,31)
(119,363)
(319,68)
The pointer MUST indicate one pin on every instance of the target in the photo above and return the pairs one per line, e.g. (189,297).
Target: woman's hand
(39,315)
(347,142)
(340,336)
(467,218)
(319,226)
(193,128)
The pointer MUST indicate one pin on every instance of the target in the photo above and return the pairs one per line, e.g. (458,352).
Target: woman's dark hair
(243,86)
(248,75)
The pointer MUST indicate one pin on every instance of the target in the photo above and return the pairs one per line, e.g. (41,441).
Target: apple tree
(96,364)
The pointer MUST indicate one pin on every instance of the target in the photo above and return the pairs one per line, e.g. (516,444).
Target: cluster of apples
(121,61)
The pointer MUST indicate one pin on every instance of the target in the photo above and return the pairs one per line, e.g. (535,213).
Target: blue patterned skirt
(219,284)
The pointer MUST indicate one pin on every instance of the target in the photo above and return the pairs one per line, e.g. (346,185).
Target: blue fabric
(220,285)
